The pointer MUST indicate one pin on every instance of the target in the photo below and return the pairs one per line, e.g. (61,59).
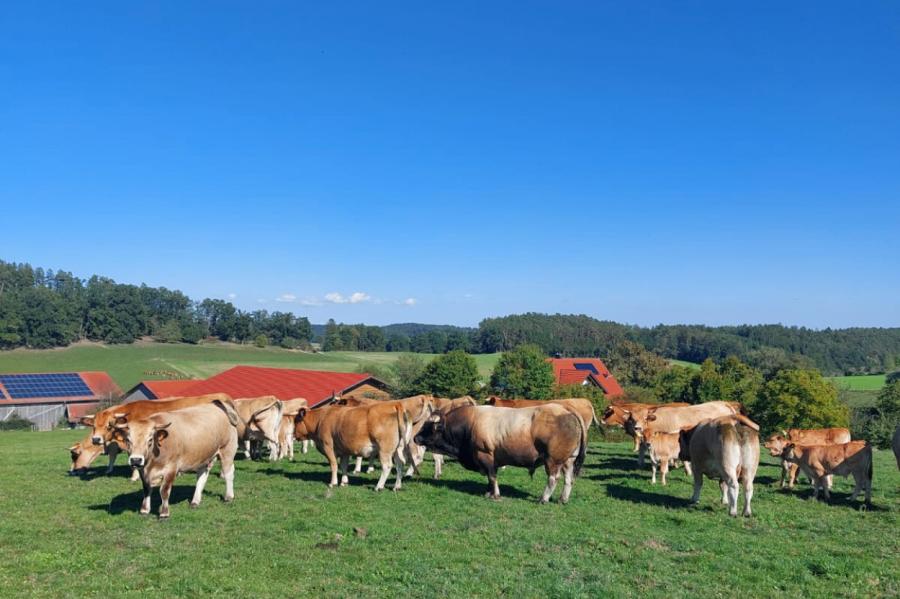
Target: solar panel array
(24,386)
(586,366)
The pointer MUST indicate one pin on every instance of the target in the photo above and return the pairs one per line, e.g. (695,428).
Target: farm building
(585,371)
(47,398)
(158,389)
(315,386)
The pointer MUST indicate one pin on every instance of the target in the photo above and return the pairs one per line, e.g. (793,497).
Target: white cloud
(357,297)
(286,298)
(232,295)
(410,301)
(310,301)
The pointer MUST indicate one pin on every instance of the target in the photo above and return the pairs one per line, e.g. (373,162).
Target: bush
(170,332)
(877,424)
(523,372)
(289,343)
(799,399)
(16,423)
(261,341)
(453,374)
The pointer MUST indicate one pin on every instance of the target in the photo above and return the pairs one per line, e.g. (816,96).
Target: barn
(585,371)
(316,386)
(46,398)
(158,389)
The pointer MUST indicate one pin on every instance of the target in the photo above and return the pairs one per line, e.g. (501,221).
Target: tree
(169,332)
(332,340)
(799,399)
(677,383)
(523,372)
(634,365)
(407,373)
(261,341)
(451,375)
(879,427)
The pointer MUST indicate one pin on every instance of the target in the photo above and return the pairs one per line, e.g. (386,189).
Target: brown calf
(844,459)
(821,436)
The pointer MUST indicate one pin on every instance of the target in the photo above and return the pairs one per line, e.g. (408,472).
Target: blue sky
(645,163)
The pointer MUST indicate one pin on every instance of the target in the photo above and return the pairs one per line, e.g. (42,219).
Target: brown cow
(664,448)
(102,422)
(821,436)
(84,453)
(727,449)
(442,405)
(290,408)
(261,418)
(896,444)
(339,432)
(486,438)
(667,418)
(844,459)
(165,444)
(582,407)
(617,415)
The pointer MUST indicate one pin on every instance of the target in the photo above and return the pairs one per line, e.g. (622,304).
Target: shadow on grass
(92,473)
(321,476)
(471,487)
(638,496)
(131,502)
(838,499)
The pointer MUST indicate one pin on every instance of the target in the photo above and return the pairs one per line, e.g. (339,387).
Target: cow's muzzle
(97,440)
(136,461)
(419,440)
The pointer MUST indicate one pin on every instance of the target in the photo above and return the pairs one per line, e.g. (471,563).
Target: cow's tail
(404,427)
(582,448)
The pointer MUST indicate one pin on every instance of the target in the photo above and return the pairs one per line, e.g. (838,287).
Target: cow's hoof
(378,489)
(194,505)
(543,501)
(143,513)
(164,516)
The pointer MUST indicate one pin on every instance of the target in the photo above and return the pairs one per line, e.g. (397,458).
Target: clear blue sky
(645,163)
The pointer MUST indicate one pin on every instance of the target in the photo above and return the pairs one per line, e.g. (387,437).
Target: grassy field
(287,535)
(128,364)
(865,382)
(686,364)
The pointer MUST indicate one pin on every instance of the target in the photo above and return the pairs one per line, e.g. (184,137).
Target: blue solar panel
(24,386)
(586,366)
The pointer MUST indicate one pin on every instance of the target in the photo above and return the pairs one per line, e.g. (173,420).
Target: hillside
(128,364)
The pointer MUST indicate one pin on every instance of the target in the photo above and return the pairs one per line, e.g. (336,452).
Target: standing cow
(164,445)
(725,449)
(820,436)
(486,438)
(844,459)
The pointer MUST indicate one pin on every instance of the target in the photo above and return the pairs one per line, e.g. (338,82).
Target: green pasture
(863,382)
(287,535)
(128,364)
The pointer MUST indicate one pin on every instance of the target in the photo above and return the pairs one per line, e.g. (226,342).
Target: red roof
(75,411)
(587,369)
(167,389)
(100,383)
(315,386)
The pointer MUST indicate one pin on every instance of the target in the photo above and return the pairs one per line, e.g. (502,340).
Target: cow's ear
(87,420)
(159,435)
(300,414)
(651,417)
(76,449)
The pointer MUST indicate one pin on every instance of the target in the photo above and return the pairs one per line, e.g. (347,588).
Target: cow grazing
(261,418)
(166,444)
(726,449)
(844,459)
(895,443)
(380,429)
(102,422)
(822,436)
(83,455)
(486,438)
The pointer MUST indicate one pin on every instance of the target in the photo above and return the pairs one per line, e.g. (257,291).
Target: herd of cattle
(164,438)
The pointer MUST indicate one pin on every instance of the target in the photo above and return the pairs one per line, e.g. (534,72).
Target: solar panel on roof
(24,386)
(586,366)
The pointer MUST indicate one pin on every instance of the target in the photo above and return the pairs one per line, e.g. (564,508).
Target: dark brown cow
(486,438)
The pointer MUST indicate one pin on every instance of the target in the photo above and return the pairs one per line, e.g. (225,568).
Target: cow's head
(789,452)
(97,433)
(301,425)
(434,436)
(83,454)
(776,444)
(142,439)
(420,408)
(614,416)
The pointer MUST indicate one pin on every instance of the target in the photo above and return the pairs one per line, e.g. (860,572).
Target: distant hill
(406,329)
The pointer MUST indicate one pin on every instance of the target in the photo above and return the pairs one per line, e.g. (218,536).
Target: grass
(287,535)
(128,364)
(686,364)
(863,382)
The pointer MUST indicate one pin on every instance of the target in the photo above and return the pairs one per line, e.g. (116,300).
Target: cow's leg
(113,450)
(165,490)
(345,461)
(698,485)
(653,464)
(148,491)
(793,470)
(553,471)
(569,474)
(785,469)
(438,464)
(371,467)
(732,496)
(664,470)
(247,448)
(637,444)
(304,446)
(332,464)
(859,485)
(723,486)
(399,462)
(228,475)
(273,451)
(642,451)
(748,494)
(495,487)
(201,483)
(688,469)
(358,467)
(829,480)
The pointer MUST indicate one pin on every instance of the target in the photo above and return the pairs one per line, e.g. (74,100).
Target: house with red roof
(585,371)
(46,398)
(316,386)
(159,389)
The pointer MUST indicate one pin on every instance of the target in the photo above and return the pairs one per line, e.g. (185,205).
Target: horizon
(443,165)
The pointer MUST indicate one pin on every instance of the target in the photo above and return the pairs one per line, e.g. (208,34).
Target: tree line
(45,308)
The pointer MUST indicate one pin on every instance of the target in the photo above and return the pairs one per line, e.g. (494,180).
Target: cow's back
(196,434)
(821,436)
(672,419)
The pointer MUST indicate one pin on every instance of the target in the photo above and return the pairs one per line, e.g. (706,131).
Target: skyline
(445,165)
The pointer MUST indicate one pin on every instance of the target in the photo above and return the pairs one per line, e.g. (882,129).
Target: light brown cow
(667,418)
(821,436)
(165,444)
(896,444)
(340,432)
(664,449)
(84,453)
(102,422)
(844,459)
(618,415)
(581,406)
(261,417)
(290,408)
(726,449)
(486,438)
